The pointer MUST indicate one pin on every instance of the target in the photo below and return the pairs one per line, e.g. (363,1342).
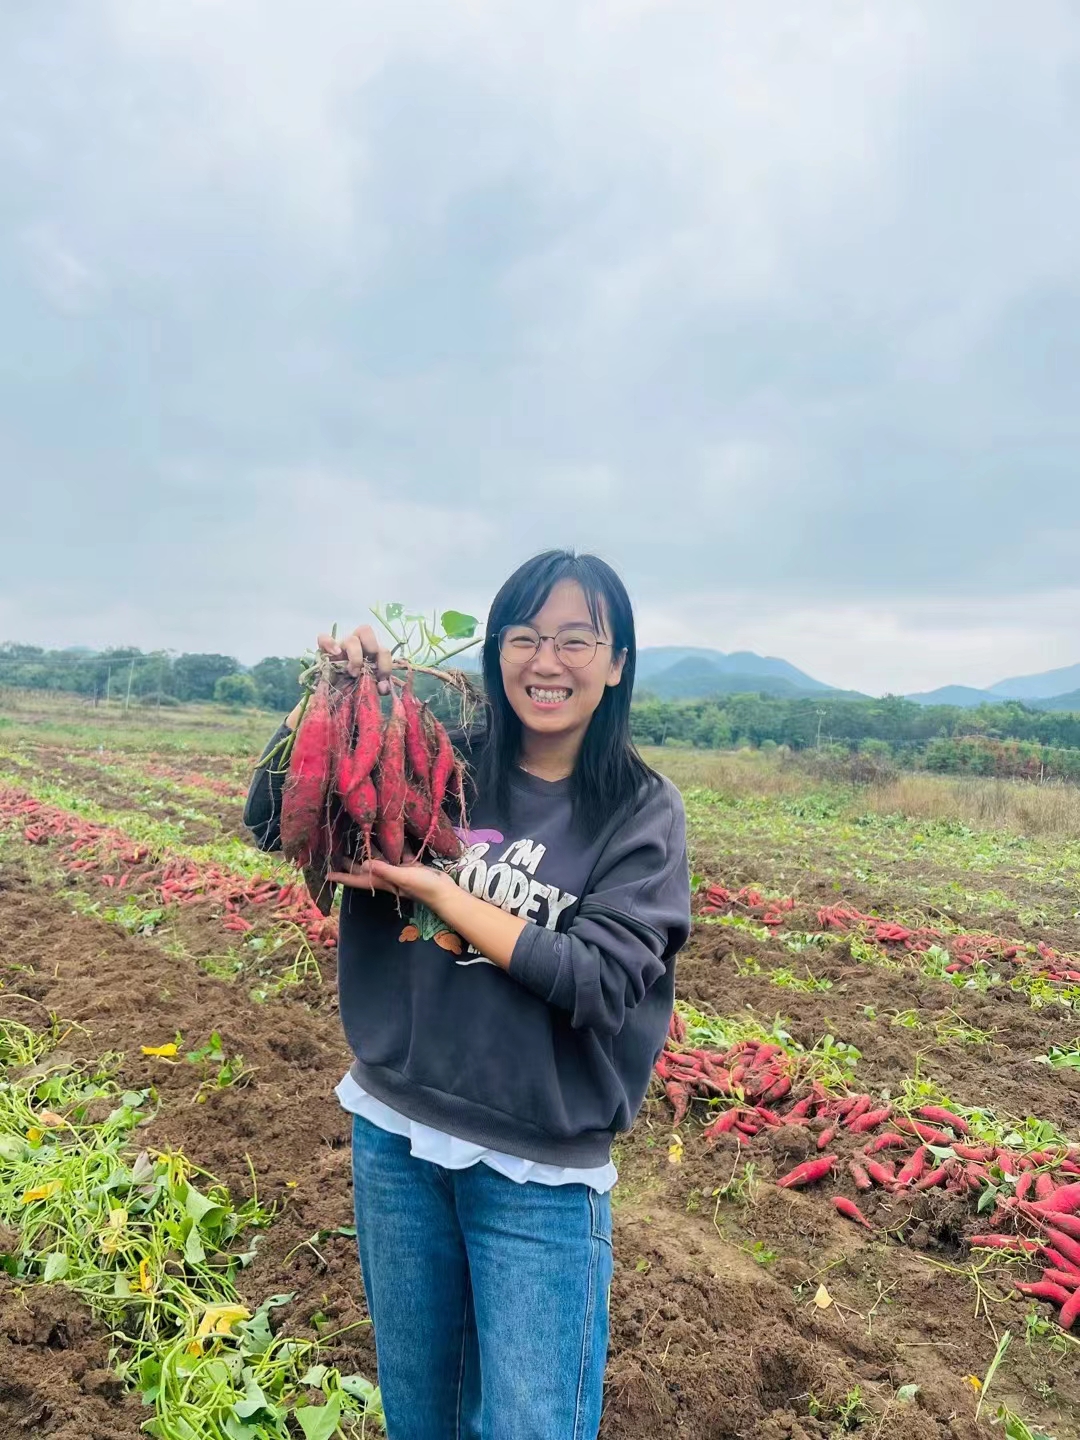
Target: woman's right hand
(355,649)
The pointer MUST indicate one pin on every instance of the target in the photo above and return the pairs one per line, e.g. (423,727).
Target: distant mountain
(657,660)
(967,698)
(1058,702)
(962,695)
(1049,685)
(702,674)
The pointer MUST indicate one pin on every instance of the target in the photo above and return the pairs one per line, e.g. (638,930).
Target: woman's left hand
(415,882)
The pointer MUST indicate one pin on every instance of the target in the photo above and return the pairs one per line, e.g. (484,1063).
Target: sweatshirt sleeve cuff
(539,962)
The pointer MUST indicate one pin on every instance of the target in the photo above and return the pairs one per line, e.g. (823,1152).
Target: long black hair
(608,774)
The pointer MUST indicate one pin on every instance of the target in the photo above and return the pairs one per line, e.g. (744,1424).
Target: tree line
(154,676)
(903,727)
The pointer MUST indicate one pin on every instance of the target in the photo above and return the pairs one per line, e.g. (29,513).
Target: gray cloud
(776,307)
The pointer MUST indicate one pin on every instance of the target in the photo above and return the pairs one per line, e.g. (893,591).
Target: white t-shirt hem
(426,1143)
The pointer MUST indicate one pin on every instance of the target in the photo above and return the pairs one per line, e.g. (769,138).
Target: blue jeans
(489,1299)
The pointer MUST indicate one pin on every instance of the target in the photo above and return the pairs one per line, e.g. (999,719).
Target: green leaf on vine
(457,626)
(394,611)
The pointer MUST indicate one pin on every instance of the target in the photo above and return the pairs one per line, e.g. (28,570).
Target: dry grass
(1018,806)
(742,774)
(1026,808)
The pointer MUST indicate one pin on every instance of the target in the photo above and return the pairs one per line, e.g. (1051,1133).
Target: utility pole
(108,688)
(131,676)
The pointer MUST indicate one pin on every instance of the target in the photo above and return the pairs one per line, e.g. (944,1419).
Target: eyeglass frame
(555,645)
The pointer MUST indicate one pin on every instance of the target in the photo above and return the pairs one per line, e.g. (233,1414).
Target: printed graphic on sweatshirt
(504,875)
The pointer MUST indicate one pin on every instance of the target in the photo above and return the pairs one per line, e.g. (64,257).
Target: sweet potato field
(850,1204)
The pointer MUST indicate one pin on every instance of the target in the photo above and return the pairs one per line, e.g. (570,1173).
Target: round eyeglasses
(575,647)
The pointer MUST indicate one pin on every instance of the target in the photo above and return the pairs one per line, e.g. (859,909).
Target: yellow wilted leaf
(220,1319)
(144,1283)
(974,1382)
(675,1149)
(42,1192)
(217,1320)
(34,1134)
(113,1239)
(291,1184)
(165,1052)
(822,1299)
(178,1167)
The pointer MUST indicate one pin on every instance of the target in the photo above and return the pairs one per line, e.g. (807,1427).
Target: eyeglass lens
(519,643)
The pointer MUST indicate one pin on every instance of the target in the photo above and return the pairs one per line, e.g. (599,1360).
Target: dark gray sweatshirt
(549,1060)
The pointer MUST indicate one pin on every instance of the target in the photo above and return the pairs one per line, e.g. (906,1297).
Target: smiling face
(550,696)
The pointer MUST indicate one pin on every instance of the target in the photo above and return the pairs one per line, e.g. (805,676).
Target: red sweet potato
(889,1141)
(777,1090)
(1067,1279)
(1069,1223)
(722,1125)
(1059,1261)
(868,1120)
(1044,1186)
(859,1175)
(914,1168)
(416,739)
(1065,1199)
(367,713)
(973,1152)
(808,1173)
(439,838)
(304,836)
(770,1117)
(933,1178)
(390,786)
(851,1211)
(1067,1245)
(442,768)
(854,1107)
(679,1095)
(1045,1290)
(924,1132)
(945,1117)
(1003,1242)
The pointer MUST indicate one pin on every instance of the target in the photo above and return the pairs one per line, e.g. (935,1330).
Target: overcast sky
(775,305)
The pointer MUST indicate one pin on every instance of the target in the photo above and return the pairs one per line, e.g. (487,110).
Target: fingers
(329,646)
(358,875)
(362,646)
(358,648)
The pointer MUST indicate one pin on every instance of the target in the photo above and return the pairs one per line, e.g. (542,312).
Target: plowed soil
(715,1332)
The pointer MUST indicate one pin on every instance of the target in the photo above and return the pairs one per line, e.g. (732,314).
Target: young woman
(505,1015)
